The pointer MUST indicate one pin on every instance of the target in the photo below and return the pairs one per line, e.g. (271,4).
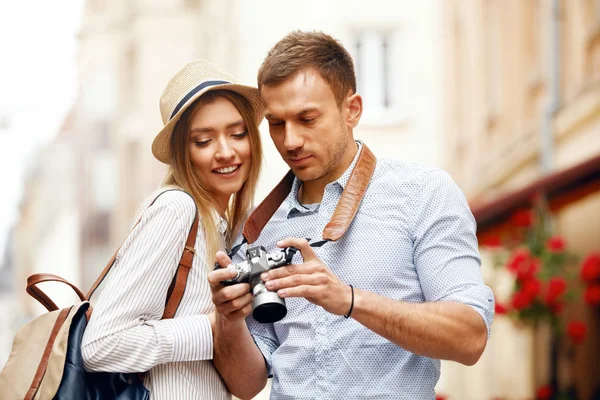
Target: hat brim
(161,144)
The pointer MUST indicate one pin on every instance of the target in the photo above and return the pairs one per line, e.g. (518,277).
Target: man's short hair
(299,51)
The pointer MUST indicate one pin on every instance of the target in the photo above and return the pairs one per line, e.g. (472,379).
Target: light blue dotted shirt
(413,239)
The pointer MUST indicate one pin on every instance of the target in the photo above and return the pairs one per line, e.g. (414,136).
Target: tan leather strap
(41,371)
(190,242)
(265,210)
(344,212)
(352,196)
(42,297)
(177,288)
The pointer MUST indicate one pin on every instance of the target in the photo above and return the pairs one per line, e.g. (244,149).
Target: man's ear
(354,108)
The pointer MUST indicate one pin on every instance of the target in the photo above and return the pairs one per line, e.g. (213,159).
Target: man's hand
(311,280)
(233,303)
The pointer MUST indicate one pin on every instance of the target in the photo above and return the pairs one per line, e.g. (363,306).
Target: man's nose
(293,140)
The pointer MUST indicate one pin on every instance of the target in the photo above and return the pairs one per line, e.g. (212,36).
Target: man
(410,254)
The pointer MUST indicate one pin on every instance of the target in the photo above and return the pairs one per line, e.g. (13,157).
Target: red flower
(441,397)
(577,331)
(544,393)
(592,295)
(492,241)
(500,309)
(531,287)
(556,288)
(556,244)
(528,269)
(590,269)
(518,257)
(521,300)
(522,218)
(523,265)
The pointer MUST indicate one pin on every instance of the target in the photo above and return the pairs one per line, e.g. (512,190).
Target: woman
(212,146)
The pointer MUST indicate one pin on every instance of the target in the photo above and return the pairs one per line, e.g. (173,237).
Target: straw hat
(191,82)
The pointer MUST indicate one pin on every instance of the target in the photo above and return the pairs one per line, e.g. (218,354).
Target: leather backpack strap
(43,365)
(177,288)
(42,297)
(344,212)
(175,293)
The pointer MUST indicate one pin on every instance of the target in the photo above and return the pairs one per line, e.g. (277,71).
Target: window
(377,61)
(104,180)
(99,96)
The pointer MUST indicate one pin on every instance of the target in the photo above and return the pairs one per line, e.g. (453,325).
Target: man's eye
(308,120)
(276,123)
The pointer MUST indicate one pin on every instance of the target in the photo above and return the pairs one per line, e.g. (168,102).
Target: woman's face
(220,149)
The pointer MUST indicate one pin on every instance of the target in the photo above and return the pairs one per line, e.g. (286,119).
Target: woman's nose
(225,151)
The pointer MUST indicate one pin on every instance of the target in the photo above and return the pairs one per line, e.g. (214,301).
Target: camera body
(267,306)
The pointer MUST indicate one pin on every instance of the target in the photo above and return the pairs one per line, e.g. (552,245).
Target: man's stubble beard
(338,153)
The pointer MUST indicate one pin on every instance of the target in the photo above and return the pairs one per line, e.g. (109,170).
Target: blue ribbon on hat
(193,92)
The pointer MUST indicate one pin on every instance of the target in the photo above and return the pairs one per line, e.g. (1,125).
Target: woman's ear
(354,107)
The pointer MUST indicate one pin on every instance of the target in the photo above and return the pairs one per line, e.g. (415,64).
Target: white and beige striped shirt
(126,334)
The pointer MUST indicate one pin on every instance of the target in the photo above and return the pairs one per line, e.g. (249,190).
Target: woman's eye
(241,134)
(201,143)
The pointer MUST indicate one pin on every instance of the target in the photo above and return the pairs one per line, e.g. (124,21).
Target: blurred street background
(503,94)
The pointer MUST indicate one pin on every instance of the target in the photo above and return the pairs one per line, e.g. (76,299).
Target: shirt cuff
(186,338)
(481,299)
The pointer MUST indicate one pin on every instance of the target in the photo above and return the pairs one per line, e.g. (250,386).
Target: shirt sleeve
(265,338)
(446,254)
(125,332)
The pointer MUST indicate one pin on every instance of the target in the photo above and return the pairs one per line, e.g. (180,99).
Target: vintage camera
(267,306)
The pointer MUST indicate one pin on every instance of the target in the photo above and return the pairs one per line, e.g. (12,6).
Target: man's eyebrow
(307,110)
(299,114)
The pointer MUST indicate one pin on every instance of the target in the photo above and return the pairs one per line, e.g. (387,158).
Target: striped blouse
(125,332)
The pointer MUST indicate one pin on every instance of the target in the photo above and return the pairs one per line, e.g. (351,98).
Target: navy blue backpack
(46,362)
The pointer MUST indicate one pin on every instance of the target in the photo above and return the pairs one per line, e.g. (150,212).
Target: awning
(560,188)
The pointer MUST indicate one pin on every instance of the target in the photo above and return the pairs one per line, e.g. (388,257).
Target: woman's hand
(232,303)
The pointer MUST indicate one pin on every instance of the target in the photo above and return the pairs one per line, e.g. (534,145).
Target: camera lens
(267,306)
(269,312)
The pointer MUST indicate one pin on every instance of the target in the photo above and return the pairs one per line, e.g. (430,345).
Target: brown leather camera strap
(344,212)
(174,295)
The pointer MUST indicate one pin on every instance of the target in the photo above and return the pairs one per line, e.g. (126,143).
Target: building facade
(523,97)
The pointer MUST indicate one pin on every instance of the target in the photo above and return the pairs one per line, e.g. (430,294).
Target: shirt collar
(221,222)
(343,180)
(294,206)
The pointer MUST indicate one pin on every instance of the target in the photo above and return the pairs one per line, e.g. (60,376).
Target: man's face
(307,127)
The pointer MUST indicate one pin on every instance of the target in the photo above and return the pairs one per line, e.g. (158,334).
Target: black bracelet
(351,304)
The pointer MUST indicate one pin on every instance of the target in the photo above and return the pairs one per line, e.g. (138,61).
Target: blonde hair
(182,173)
